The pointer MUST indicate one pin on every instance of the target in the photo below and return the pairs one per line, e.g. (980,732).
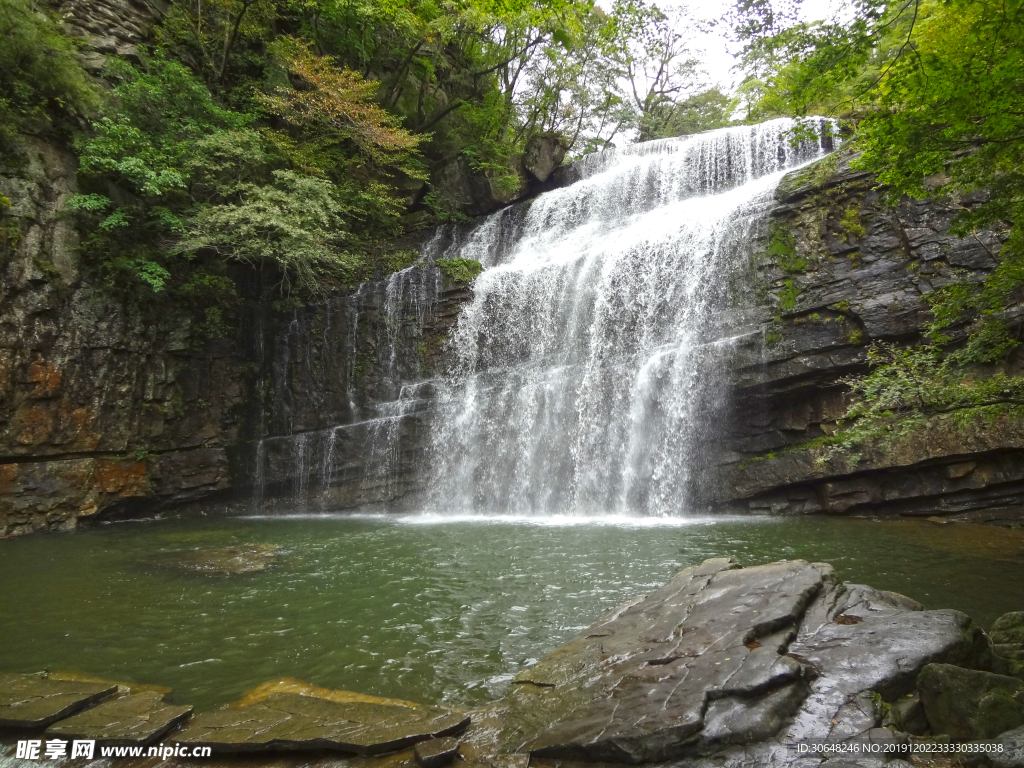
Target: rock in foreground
(35,701)
(134,720)
(290,721)
(738,664)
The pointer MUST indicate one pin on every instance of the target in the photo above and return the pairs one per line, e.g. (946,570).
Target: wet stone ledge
(723,667)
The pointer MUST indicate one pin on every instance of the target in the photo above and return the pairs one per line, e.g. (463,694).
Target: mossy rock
(460,270)
(967,704)
(807,179)
(1008,636)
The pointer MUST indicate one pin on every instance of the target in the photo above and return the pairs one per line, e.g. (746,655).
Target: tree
(654,62)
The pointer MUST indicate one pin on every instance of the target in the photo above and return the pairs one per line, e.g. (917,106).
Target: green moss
(460,270)
(814,175)
(782,249)
(824,169)
(851,224)
(857,336)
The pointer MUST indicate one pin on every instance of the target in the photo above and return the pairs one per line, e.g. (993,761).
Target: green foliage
(851,224)
(160,119)
(460,270)
(396,261)
(788,295)
(40,77)
(908,385)
(296,222)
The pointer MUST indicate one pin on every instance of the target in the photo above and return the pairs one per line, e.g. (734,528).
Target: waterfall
(589,367)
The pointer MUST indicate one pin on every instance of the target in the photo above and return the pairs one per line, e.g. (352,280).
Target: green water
(419,609)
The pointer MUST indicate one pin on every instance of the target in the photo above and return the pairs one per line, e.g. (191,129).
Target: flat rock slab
(223,561)
(725,667)
(35,701)
(290,721)
(135,720)
(435,753)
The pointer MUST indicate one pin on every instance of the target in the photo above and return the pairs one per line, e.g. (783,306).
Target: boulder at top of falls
(737,665)
(35,701)
(293,721)
(543,154)
(134,720)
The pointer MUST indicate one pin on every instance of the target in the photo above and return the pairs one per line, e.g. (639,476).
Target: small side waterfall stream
(589,365)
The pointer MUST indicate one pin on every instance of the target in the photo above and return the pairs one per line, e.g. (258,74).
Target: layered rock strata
(839,268)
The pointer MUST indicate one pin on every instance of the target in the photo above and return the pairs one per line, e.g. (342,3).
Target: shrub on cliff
(40,77)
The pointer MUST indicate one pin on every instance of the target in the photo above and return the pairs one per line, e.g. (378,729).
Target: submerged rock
(134,720)
(35,701)
(229,561)
(969,704)
(291,721)
(738,665)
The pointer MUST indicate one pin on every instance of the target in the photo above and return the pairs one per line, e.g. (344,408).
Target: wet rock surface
(723,667)
(437,752)
(1012,753)
(290,721)
(224,561)
(732,665)
(35,701)
(134,720)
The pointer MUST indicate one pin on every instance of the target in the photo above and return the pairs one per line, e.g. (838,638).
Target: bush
(40,77)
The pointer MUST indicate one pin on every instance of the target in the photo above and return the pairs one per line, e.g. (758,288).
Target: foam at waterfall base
(542,520)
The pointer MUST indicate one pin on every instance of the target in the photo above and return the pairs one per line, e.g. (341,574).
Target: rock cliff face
(840,269)
(109,408)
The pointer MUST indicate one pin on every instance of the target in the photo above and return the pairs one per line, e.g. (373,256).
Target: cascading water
(589,364)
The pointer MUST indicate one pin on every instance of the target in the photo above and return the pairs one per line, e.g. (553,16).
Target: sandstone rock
(437,752)
(35,701)
(134,720)
(968,704)
(288,721)
(225,561)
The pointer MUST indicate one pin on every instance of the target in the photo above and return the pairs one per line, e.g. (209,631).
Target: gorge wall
(840,269)
(109,408)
